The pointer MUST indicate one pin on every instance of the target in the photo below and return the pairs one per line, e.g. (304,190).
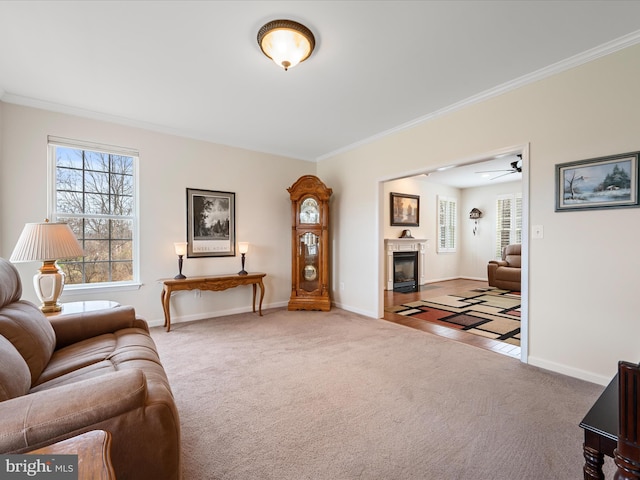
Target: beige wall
(478,249)
(583,274)
(168,165)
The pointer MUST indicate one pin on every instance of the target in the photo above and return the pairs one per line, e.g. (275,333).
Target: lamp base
(48,284)
(180,277)
(243,271)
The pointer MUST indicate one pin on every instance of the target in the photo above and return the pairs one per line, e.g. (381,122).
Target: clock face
(309,211)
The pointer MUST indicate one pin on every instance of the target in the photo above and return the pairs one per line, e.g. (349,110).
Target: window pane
(122,229)
(121,164)
(96,182)
(122,272)
(69,179)
(69,202)
(96,249)
(72,271)
(96,203)
(96,228)
(69,157)
(96,272)
(96,161)
(121,250)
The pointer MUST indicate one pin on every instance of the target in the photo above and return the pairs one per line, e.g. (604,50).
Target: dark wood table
(209,282)
(600,431)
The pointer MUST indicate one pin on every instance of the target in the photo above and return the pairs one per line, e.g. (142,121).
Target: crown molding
(119,120)
(553,69)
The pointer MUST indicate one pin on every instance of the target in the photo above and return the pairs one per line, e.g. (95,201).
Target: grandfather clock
(309,244)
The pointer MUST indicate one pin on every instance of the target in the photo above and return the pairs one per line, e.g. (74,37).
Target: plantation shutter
(508,222)
(447,224)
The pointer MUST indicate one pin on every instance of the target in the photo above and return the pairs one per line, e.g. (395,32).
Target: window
(508,221)
(93,189)
(447,223)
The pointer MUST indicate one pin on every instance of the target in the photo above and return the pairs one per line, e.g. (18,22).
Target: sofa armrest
(41,418)
(74,327)
(498,263)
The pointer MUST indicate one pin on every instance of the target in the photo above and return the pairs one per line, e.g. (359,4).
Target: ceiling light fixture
(286,42)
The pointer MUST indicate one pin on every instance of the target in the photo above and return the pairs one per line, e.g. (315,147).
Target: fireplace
(405,272)
(416,248)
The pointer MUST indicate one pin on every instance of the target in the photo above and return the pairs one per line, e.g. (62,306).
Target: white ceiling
(476,174)
(194,68)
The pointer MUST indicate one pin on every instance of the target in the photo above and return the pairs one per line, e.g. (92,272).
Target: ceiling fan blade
(493,171)
(508,173)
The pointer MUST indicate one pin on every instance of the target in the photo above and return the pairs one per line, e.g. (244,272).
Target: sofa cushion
(26,327)
(15,378)
(10,284)
(512,255)
(127,348)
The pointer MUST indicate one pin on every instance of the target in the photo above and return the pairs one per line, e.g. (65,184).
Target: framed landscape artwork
(211,225)
(405,210)
(605,182)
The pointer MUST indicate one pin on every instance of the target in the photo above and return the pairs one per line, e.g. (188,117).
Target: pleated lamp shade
(46,241)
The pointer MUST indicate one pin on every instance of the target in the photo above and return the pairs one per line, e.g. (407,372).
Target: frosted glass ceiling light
(286,42)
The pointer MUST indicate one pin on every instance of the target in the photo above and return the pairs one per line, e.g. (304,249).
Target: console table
(209,282)
(600,426)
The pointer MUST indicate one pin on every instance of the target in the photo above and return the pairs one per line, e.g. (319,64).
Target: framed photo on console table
(405,210)
(211,223)
(605,182)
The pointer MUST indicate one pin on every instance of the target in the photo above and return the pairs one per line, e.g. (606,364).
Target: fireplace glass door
(405,271)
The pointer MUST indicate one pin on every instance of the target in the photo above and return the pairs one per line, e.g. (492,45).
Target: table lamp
(47,242)
(181,251)
(243,248)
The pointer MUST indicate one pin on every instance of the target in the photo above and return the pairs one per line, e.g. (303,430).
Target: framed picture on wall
(405,210)
(604,182)
(211,224)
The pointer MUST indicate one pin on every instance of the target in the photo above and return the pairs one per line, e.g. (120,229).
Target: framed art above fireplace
(405,210)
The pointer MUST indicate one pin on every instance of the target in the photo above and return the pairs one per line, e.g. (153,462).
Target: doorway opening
(477,238)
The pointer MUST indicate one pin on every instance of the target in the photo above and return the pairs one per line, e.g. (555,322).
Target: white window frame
(512,202)
(52,143)
(447,224)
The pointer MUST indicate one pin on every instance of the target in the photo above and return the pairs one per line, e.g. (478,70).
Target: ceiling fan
(516,167)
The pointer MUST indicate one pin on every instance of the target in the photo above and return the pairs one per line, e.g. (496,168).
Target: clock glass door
(309,255)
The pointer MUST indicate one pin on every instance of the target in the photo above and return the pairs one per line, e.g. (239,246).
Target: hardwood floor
(436,290)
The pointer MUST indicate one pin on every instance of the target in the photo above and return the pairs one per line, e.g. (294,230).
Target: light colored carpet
(338,396)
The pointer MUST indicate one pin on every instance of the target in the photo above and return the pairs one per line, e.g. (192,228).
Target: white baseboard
(217,313)
(570,371)
(354,310)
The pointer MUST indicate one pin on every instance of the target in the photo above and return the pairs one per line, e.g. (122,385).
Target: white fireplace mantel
(405,245)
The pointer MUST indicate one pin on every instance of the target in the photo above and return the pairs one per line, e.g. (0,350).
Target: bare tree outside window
(95,196)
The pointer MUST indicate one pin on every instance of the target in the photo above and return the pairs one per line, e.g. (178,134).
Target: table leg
(254,297)
(165,297)
(261,295)
(594,460)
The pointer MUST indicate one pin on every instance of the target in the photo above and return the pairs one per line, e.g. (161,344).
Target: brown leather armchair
(65,375)
(505,273)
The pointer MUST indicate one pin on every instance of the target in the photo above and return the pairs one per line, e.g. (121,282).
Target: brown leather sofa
(63,376)
(505,273)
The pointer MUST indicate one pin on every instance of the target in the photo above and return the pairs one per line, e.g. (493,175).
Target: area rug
(488,312)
